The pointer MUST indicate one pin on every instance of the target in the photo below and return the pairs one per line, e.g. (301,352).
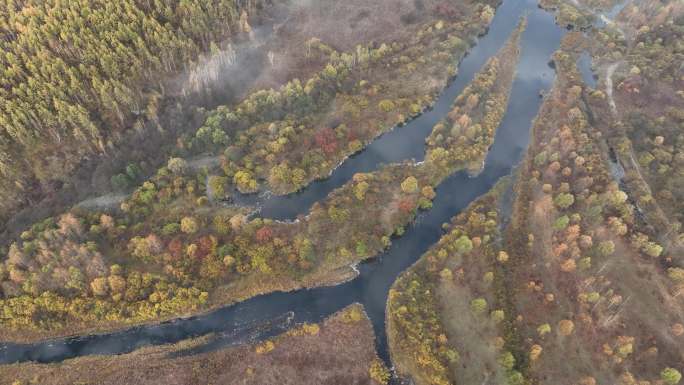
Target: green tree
(409,185)
(561,223)
(606,248)
(378,372)
(120,182)
(463,244)
(360,190)
(189,225)
(670,376)
(653,249)
(386,105)
(564,200)
(217,185)
(676,274)
(99,286)
(478,305)
(177,165)
(361,249)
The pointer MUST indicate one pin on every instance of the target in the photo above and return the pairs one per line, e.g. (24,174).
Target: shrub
(311,329)
(265,347)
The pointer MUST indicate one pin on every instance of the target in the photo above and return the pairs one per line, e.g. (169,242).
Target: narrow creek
(266,315)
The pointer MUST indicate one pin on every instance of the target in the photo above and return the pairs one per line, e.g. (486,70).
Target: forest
(568,271)
(78,75)
(174,248)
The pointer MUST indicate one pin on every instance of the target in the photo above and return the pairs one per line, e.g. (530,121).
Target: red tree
(447,10)
(407,205)
(206,245)
(326,140)
(175,247)
(264,234)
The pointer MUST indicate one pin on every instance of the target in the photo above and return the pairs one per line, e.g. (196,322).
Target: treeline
(76,74)
(577,249)
(464,137)
(457,276)
(644,126)
(283,139)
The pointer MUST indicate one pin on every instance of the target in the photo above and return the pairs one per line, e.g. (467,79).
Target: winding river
(270,314)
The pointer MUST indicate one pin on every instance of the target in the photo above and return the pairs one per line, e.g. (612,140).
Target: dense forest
(174,247)
(77,74)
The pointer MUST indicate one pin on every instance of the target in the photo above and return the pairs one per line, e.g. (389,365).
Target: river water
(269,314)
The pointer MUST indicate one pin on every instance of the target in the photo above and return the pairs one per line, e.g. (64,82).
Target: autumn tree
(189,225)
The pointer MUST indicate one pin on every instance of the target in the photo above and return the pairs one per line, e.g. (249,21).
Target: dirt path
(103,201)
(206,161)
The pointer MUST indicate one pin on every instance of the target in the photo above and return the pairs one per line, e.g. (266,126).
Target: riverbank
(339,350)
(428,342)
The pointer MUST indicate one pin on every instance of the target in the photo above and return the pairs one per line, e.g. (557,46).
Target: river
(269,314)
